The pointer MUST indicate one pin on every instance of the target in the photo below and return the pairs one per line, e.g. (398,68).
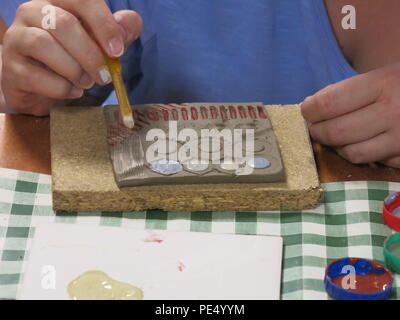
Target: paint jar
(357,279)
(391,252)
(391,211)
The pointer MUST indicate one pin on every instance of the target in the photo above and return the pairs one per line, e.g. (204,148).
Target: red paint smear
(184,114)
(204,112)
(214,112)
(232,111)
(194,113)
(181,266)
(252,112)
(163,107)
(242,112)
(153,237)
(222,110)
(117,132)
(369,283)
(152,114)
(261,112)
(165,114)
(175,114)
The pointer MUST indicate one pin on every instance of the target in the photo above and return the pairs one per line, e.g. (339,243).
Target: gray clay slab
(134,152)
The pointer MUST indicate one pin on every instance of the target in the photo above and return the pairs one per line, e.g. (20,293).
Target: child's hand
(42,66)
(359,116)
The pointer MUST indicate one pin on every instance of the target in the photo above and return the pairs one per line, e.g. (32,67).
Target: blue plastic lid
(357,279)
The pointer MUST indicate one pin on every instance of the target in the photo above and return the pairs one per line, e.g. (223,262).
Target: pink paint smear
(153,237)
(181,266)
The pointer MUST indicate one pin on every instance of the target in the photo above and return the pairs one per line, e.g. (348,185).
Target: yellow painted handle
(114,65)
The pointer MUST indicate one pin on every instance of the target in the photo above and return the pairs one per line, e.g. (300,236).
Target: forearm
(3,29)
(359,116)
(373,44)
(3,107)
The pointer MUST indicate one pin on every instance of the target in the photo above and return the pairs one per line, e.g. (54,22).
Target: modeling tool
(125,108)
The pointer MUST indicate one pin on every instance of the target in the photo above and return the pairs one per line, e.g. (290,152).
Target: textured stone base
(83,178)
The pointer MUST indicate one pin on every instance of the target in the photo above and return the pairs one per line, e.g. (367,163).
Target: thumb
(393,162)
(131,25)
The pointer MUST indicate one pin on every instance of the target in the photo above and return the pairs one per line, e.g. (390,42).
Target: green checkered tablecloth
(349,223)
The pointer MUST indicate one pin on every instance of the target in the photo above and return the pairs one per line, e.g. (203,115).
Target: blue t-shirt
(8,9)
(273,51)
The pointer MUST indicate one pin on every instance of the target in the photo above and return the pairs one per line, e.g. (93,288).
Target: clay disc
(166,167)
(259,163)
(195,165)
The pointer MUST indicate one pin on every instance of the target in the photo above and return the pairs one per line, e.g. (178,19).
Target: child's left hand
(360,116)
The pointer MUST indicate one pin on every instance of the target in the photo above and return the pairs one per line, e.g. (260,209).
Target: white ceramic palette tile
(165,265)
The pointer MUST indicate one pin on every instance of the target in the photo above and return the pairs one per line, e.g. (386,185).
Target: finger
(341,98)
(375,149)
(357,126)
(393,162)
(35,105)
(41,46)
(71,35)
(35,79)
(131,25)
(98,18)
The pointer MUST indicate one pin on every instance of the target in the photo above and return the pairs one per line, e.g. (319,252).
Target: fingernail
(116,47)
(86,81)
(117,17)
(105,75)
(76,93)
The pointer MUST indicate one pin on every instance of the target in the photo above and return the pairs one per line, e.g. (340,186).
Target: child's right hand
(43,67)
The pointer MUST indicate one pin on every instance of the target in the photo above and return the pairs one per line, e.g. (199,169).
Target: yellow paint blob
(97,285)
